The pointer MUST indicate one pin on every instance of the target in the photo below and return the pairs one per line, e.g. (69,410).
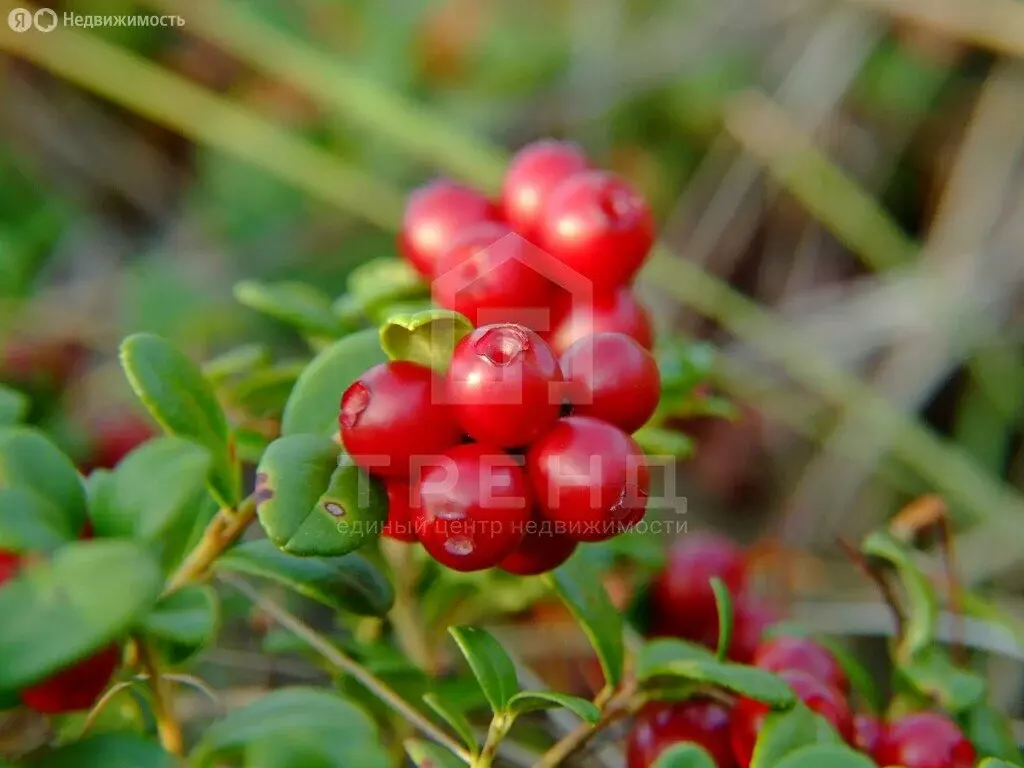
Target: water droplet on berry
(502,345)
(353,403)
(459,545)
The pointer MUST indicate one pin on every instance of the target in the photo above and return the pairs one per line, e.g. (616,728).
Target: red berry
(751,617)
(490,275)
(783,653)
(612,378)
(400,524)
(76,687)
(434,216)
(471,507)
(505,385)
(541,550)
(10,563)
(589,475)
(660,725)
(532,176)
(599,226)
(681,594)
(925,740)
(616,311)
(867,734)
(394,414)
(748,715)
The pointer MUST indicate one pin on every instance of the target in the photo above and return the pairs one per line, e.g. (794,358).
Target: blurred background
(838,183)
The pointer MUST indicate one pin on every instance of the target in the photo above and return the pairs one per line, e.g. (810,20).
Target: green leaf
(348,583)
(723,603)
(580,588)
(315,400)
(183,623)
(13,406)
(684,366)
(492,667)
(242,359)
(87,596)
(427,337)
(309,503)
(658,441)
(182,401)
(749,681)
(426,754)
(314,723)
(996,763)
(108,750)
(297,304)
(922,608)
(684,756)
(265,392)
(454,718)
(530,701)
(825,756)
(29,460)
(385,280)
(783,733)
(157,487)
(935,676)
(30,522)
(990,732)
(657,653)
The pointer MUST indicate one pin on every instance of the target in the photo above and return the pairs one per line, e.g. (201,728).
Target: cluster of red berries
(683,604)
(76,687)
(482,467)
(556,253)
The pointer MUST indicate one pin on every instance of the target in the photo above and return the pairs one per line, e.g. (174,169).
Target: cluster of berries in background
(522,448)
(682,604)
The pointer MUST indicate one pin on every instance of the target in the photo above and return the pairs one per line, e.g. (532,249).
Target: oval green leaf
(783,733)
(935,676)
(385,280)
(316,724)
(662,651)
(530,701)
(242,359)
(108,750)
(658,441)
(30,522)
(749,681)
(427,337)
(310,504)
(28,459)
(297,304)
(993,762)
(492,667)
(265,392)
(313,405)
(992,734)
(825,756)
(348,583)
(183,402)
(426,754)
(183,623)
(13,406)
(684,756)
(723,603)
(88,595)
(580,588)
(454,717)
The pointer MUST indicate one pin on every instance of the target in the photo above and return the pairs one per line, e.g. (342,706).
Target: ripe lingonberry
(471,507)
(751,617)
(488,276)
(660,725)
(76,687)
(532,176)
(748,715)
(591,476)
(434,216)
(867,734)
(925,740)
(395,413)
(599,226)
(681,594)
(781,653)
(9,565)
(505,385)
(616,311)
(540,551)
(611,377)
(400,524)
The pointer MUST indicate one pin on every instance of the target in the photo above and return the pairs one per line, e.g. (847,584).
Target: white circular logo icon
(19,20)
(45,19)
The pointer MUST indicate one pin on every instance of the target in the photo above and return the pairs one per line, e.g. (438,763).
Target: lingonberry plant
(427,458)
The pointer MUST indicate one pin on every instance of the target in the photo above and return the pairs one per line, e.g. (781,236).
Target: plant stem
(622,704)
(223,531)
(500,725)
(347,664)
(167,726)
